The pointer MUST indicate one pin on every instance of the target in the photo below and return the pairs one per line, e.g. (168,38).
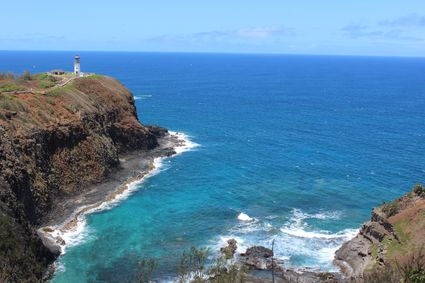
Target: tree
(26,76)
(192,265)
(146,268)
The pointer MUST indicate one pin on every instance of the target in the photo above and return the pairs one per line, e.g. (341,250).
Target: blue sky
(339,27)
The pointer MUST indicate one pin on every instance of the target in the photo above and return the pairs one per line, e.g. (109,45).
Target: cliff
(53,144)
(388,248)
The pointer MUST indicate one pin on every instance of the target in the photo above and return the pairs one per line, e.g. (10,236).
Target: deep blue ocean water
(304,145)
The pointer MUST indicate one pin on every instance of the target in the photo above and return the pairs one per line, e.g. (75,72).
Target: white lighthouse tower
(77,70)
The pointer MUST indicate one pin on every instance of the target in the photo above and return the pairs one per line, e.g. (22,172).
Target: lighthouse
(77,69)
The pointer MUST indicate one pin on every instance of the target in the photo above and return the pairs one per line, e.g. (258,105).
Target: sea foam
(294,239)
(78,233)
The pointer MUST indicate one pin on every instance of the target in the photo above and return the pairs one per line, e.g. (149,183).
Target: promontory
(63,138)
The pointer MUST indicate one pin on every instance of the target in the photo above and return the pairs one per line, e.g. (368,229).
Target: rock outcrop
(258,257)
(355,255)
(54,145)
(394,231)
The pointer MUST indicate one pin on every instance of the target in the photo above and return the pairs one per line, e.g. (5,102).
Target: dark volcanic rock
(257,258)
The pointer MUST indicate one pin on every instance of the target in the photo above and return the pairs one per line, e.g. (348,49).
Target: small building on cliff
(57,72)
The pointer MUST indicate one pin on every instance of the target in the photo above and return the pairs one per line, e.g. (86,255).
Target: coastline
(65,224)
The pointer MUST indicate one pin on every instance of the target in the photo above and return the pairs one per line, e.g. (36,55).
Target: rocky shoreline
(389,242)
(133,168)
(386,247)
(260,263)
(61,155)
(68,212)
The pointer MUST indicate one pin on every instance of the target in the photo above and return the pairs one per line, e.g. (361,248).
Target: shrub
(413,269)
(223,272)
(419,190)
(41,76)
(192,268)
(146,268)
(192,265)
(390,208)
(7,77)
(26,76)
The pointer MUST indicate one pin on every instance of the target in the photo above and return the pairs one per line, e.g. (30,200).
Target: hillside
(55,141)
(391,245)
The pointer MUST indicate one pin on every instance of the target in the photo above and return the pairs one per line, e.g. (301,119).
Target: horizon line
(221,53)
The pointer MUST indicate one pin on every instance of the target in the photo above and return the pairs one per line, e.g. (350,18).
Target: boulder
(257,257)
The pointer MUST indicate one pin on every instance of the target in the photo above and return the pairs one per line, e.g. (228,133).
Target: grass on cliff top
(10,103)
(61,90)
(44,108)
(10,86)
(407,216)
(94,76)
(27,81)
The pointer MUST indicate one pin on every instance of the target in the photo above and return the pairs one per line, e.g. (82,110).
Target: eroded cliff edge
(390,247)
(53,145)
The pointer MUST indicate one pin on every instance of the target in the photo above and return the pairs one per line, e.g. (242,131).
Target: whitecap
(244,217)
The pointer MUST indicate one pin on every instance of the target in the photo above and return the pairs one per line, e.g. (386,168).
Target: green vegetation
(51,101)
(419,190)
(26,76)
(46,84)
(193,268)
(45,80)
(390,208)
(410,270)
(94,76)
(9,87)
(9,102)
(7,77)
(10,83)
(374,251)
(400,229)
(41,76)
(192,264)
(72,108)
(21,259)
(146,268)
(61,90)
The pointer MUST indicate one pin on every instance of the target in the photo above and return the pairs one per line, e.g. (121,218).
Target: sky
(325,27)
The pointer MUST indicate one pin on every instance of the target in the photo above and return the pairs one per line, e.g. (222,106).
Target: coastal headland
(66,146)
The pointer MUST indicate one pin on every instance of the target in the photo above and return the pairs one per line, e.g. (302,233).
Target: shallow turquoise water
(304,145)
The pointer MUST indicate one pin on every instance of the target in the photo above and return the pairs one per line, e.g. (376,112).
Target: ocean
(296,149)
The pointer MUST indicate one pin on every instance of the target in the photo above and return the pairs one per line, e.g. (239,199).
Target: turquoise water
(303,145)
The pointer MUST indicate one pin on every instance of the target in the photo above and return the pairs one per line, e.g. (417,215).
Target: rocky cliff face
(56,144)
(394,232)
(356,255)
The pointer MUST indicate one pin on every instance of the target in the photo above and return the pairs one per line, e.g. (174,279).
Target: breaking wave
(297,243)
